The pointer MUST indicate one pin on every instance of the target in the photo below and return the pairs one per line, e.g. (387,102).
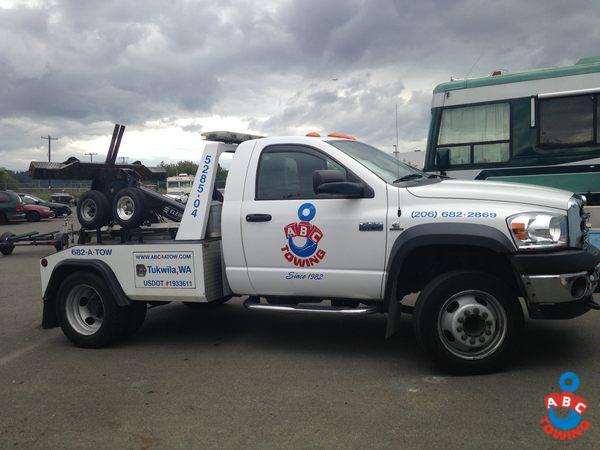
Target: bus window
(172,184)
(476,134)
(567,121)
(460,154)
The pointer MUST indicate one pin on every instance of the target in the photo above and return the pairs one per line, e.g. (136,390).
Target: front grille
(577,218)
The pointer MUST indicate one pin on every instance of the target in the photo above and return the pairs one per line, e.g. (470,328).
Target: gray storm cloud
(71,68)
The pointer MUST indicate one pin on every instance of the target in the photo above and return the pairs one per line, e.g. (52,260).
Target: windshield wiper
(410,176)
(435,175)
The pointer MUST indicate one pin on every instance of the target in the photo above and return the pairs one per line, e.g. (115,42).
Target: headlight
(537,230)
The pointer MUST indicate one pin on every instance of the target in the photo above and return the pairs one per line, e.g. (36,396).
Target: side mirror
(442,159)
(334,182)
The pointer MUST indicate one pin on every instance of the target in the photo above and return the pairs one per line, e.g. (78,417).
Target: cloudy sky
(172,69)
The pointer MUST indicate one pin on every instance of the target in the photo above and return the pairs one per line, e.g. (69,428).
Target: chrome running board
(251,303)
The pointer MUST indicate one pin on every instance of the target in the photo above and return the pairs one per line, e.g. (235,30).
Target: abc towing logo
(308,253)
(572,425)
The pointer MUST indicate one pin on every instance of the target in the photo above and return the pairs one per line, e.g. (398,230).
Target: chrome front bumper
(551,289)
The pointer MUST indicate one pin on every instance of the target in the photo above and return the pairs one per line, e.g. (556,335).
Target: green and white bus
(538,127)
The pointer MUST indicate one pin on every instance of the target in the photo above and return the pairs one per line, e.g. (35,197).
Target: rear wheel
(93,210)
(32,216)
(6,248)
(468,321)
(129,208)
(87,312)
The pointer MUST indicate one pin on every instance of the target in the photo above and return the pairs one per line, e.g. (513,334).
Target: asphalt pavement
(232,378)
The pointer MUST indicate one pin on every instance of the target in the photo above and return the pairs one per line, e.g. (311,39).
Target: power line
(91,154)
(50,139)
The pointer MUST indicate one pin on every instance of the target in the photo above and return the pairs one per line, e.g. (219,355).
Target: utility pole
(50,139)
(124,159)
(91,156)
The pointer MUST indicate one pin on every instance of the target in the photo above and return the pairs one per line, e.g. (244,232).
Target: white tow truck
(332,225)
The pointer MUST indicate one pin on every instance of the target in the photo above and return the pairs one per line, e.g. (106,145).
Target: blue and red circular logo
(302,248)
(565,410)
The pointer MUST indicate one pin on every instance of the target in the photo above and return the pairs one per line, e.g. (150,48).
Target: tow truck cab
(308,221)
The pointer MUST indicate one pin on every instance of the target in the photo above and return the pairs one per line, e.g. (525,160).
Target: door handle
(258,217)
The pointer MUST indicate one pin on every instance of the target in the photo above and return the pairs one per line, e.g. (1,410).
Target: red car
(35,213)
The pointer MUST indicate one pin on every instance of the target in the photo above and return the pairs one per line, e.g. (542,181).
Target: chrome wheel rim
(85,309)
(88,210)
(472,324)
(125,208)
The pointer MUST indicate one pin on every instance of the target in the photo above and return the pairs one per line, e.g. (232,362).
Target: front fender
(442,234)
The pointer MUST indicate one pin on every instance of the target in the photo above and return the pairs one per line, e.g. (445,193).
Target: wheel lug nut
(467,313)
(484,315)
(472,340)
(488,323)
(476,311)
(461,319)
(488,332)
(481,339)
(464,337)
(459,329)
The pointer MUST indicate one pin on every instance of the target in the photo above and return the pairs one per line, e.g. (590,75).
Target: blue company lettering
(170,269)
(303,276)
(200,189)
(453,214)
(163,256)
(91,252)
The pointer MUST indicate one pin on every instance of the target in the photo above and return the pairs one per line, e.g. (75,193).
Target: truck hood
(495,191)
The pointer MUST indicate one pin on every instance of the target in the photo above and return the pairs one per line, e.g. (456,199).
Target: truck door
(298,243)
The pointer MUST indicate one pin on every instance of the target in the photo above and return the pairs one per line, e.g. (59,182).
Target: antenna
(396,151)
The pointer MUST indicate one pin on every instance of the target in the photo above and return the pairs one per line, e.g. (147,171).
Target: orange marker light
(313,134)
(518,229)
(342,136)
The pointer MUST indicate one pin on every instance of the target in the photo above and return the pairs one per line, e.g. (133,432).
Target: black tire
(62,241)
(32,216)
(137,315)
(3,219)
(114,319)
(93,210)
(129,208)
(6,248)
(475,299)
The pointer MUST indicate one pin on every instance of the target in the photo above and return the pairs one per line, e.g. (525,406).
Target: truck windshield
(382,164)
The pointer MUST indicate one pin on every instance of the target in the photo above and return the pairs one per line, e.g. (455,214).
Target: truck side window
(476,134)
(567,121)
(288,174)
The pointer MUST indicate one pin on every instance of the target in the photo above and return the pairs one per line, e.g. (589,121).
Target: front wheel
(467,321)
